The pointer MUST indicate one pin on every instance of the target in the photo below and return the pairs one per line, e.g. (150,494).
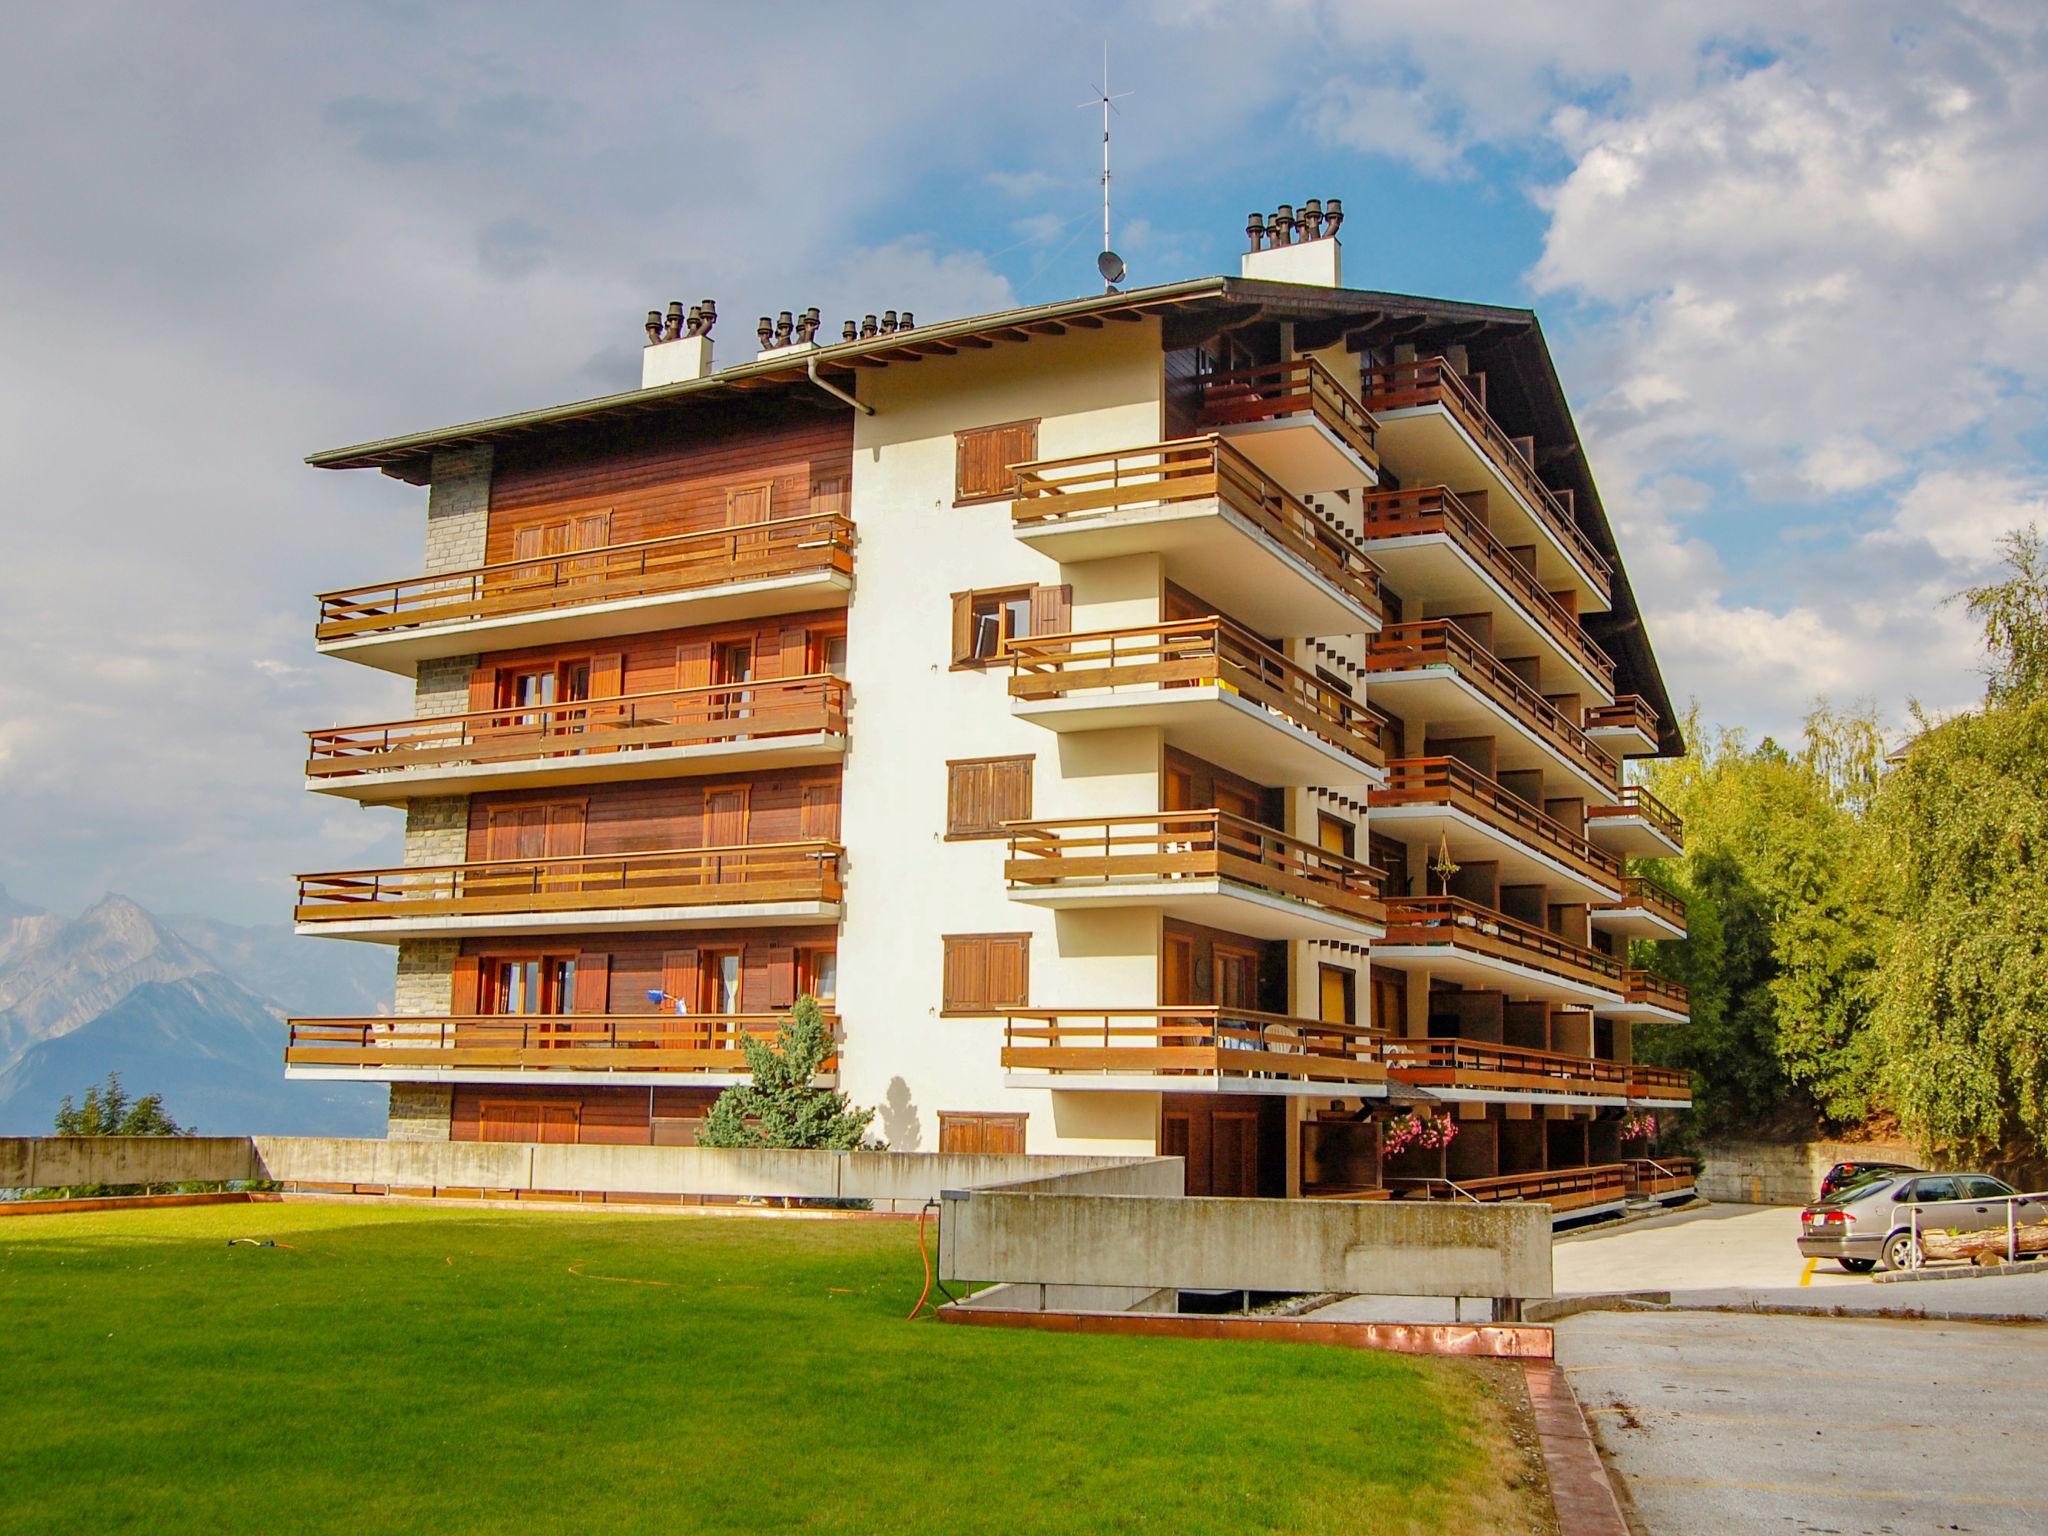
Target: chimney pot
(1312,217)
(851,332)
(1255,229)
(1333,216)
(710,308)
(653,326)
(906,323)
(766,331)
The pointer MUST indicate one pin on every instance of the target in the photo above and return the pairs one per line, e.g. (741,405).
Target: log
(1985,1246)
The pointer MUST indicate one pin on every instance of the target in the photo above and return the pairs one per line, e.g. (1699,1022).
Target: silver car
(1872,1222)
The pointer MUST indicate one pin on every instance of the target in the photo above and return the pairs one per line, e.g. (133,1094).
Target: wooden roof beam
(1084,322)
(1046,328)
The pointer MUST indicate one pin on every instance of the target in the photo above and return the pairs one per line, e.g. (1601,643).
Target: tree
(2014,614)
(108,1111)
(780,1108)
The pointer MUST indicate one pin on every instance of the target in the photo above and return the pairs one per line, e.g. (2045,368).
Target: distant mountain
(304,976)
(192,1010)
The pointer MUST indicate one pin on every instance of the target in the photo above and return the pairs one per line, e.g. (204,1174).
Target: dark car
(1844,1174)
(1872,1222)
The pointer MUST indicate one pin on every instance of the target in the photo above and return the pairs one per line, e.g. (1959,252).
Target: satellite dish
(1111,266)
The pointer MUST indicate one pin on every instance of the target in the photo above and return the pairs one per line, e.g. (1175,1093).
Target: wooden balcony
(1440,800)
(1189,1050)
(785,565)
(749,886)
(1637,825)
(1475,1069)
(791,722)
(1483,949)
(1653,1178)
(1434,674)
(1222,525)
(1295,421)
(1650,997)
(1646,910)
(1435,548)
(1206,866)
(1434,429)
(1213,687)
(556,1048)
(1659,1085)
(1562,1189)
(1625,728)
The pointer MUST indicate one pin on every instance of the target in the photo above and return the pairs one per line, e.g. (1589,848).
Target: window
(985,621)
(984,793)
(982,460)
(530,984)
(980,1132)
(1337,994)
(1334,834)
(818,973)
(986,972)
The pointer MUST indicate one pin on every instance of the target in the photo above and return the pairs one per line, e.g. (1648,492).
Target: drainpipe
(811,367)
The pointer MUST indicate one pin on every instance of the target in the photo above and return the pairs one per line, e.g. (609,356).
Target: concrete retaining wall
(1785,1173)
(43,1162)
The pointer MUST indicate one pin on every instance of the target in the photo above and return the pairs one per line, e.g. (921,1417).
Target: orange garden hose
(925,1294)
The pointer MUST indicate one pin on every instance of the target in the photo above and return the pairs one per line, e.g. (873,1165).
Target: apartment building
(1189,719)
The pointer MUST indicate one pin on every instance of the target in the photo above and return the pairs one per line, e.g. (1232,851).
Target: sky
(1790,259)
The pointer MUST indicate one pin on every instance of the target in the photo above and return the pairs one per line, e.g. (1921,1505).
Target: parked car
(1844,1174)
(1871,1222)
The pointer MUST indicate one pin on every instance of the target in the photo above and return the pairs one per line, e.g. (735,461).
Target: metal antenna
(1108,104)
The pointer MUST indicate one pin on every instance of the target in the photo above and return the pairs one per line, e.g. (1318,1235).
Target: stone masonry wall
(458,509)
(425,968)
(420,1112)
(1778,1173)
(442,686)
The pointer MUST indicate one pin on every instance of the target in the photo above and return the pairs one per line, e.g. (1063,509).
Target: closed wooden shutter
(796,650)
(1052,609)
(757,980)
(972,1134)
(465,984)
(529,543)
(965,987)
(483,690)
(819,814)
(678,979)
(781,975)
(1009,790)
(982,460)
(565,830)
(966,799)
(607,675)
(1002,1133)
(983,793)
(985,972)
(693,670)
(1009,962)
(828,495)
(593,984)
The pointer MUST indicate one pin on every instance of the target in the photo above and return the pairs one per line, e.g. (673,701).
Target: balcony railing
(1626,713)
(1508,1068)
(1276,391)
(1641,893)
(1211,651)
(1189,1042)
(1650,1176)
(579,1042)
(1194,469)
(1636,802)
(682,717)
(1651,990)
(1459,924)
(1447,782)
(676,877)
(1661,1084)
(1436,510)
(1189,845)
(809,545)
(1441,643)
(1561,1189)
(1433,381)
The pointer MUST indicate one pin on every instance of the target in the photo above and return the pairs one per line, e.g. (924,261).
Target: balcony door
(732,665)
(746,505)
(528,694)
(1237,979)
(539,988)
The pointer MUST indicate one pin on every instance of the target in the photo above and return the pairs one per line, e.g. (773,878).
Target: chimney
(788,332)
(678,344)
(1287,247)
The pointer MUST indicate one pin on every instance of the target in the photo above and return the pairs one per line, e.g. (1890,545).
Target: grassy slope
(444,1370)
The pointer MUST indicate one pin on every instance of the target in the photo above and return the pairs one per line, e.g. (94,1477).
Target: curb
(1968,1272)
(1579,1487)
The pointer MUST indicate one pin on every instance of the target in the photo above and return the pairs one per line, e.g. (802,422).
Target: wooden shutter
(796,651)
(757,980)
(465,985)
(781,975)
(529,543)
(828,494)
(967,799)
(1002,1133)
(607,675)
(965,986)
(593,984)
(959,1133)
(1052,609)
(679,978)
(963,627)
(565,830)
(818,817)
(1009,791)
(693,664)
(982,459)
(1009,966)
(483,690)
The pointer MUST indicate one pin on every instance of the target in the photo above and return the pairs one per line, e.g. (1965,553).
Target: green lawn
(407,1368)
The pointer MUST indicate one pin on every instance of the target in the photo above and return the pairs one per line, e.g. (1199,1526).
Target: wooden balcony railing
(1441,643)
(1190,845)
(1190,1042)
(813,544)
(1459,924)
(1195,469)
(1650,988)
(1640,892)
(1200,651)
(1561,1189)
(1432,381)
(1510,1068)
(682,717)
(1636,801)
(673,877)
(1660,1083)
(1661,1175)
(1277,390)
(1447,782)
(1627,713)
(581,1042)
(1436,510)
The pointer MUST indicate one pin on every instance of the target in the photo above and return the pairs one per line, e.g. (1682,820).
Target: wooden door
(1337,994)
(1177,973)
(1237,978)
(1234,1153)
(725,817)
(745,505)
